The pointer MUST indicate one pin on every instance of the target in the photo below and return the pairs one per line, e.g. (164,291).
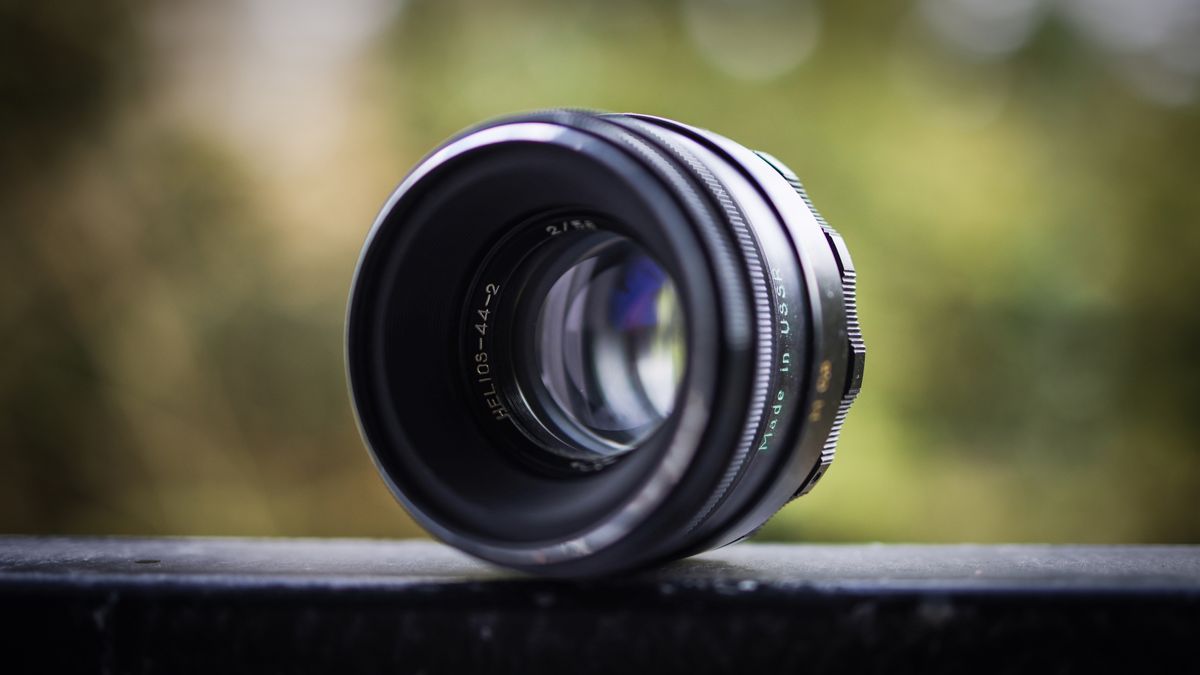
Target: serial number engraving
(823,376)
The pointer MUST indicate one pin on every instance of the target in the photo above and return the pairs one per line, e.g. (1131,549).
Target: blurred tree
(182,189)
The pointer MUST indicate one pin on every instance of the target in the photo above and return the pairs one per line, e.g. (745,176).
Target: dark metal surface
(219,605)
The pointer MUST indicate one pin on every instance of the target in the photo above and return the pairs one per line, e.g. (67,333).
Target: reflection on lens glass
(611,345)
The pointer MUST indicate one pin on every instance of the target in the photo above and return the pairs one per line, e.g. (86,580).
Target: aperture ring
(857,348)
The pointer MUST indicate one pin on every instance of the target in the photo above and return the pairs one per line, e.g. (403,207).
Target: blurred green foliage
(183,190)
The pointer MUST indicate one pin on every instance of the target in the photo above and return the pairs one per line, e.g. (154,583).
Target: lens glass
(610,346)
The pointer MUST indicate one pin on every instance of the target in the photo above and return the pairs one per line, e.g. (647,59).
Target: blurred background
(184,188)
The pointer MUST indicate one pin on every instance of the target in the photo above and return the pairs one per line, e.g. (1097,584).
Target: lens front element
(609,346)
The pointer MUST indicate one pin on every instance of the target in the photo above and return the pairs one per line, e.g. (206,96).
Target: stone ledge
(242,605)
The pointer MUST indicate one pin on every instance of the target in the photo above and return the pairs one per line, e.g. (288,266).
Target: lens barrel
(580,343)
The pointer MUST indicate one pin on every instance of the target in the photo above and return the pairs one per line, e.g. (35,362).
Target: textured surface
(171,605)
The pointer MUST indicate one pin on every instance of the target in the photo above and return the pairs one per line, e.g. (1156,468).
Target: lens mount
(579,343)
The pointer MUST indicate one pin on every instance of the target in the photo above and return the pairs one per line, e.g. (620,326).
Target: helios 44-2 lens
(580,343)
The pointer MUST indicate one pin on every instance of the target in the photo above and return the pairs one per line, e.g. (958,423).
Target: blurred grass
(185,189)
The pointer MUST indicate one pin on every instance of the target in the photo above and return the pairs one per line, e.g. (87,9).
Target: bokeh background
(184,188)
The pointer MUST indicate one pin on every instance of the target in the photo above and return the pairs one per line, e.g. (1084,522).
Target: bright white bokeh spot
(982,29)
(753,39)
(1154,45)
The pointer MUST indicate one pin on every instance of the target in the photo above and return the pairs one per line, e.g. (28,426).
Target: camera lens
(605,357)
(580,343)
